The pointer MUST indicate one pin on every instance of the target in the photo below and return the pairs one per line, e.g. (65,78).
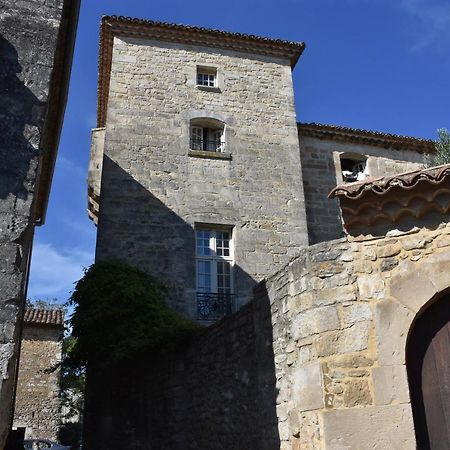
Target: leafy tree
(120,312)
(47,303)
(442,146)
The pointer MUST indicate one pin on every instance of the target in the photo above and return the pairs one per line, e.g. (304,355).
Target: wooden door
(428,362)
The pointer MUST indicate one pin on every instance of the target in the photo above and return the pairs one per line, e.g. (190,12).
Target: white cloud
(54,272)
(431,21)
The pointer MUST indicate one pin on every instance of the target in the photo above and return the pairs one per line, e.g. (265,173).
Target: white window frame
(206,73)
(202,138)
(214,258)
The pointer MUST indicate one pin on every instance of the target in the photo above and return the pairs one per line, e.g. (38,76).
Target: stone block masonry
(218,393)
(36,41)
(38,407)
(315,361)
(154,192)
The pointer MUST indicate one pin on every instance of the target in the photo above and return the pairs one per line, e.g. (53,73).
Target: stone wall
(154,191)
(341,313)
(37,405)
(34,40)
(320,352)
(218,393)
(320,168)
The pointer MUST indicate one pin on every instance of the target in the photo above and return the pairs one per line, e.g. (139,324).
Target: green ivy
(120,312)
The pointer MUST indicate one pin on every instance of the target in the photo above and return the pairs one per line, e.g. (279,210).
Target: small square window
(206,77)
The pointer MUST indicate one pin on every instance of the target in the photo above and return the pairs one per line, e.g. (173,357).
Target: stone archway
(428,367)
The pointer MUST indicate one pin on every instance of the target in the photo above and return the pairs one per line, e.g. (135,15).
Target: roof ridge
(202,29)
(345,129)
(367,137)
(44,316)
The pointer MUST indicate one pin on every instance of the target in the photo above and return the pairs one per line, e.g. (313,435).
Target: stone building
(197,161)
(36,45)
(37,406)
(195,167)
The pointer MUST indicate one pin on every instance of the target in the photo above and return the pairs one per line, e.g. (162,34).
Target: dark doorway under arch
(428,366)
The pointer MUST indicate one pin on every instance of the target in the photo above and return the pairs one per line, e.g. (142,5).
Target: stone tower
(195,167)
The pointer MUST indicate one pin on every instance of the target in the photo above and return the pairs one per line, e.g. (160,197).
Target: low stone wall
(316,360)
(218,393)
(341,314)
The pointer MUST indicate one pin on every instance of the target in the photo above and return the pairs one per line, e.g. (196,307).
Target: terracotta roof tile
(376,138)
(40,316)
(382,185)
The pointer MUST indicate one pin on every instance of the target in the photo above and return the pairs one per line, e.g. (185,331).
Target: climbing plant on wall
(119,312)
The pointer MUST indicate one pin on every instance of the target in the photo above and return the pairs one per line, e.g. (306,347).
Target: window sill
(208,88)
(209,155)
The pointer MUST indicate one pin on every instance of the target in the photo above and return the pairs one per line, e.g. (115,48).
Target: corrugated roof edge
(381,185)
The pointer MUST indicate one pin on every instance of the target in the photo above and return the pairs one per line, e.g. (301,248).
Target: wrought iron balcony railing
(213,145)
(214,306)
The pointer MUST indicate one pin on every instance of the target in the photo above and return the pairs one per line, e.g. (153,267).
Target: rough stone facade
(37,407)
(317,359)
(343,312)
(319,353)
(36,40)
(154,191)
(321,173)
(218,393)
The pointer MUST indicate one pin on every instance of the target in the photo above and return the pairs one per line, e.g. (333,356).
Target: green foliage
(48,303)
(73,380)
(119,312)
(442,145)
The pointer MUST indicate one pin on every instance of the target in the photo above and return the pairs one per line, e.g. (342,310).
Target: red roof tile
(39,316)
(381,185)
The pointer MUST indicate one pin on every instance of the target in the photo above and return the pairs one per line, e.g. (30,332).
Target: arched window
(207,135)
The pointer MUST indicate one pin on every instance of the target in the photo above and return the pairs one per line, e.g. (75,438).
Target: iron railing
(214,306)
(213,145)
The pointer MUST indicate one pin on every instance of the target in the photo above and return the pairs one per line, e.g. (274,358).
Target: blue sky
(373,64)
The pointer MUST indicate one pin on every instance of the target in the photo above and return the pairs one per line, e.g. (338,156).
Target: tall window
(207,135)
(214,261)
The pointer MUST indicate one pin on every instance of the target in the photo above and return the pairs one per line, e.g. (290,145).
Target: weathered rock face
(154,191)
(37,407)
(32,40)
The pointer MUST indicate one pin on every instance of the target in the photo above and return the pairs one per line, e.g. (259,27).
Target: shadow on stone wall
(137,227)
(21,119)
(216,393)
